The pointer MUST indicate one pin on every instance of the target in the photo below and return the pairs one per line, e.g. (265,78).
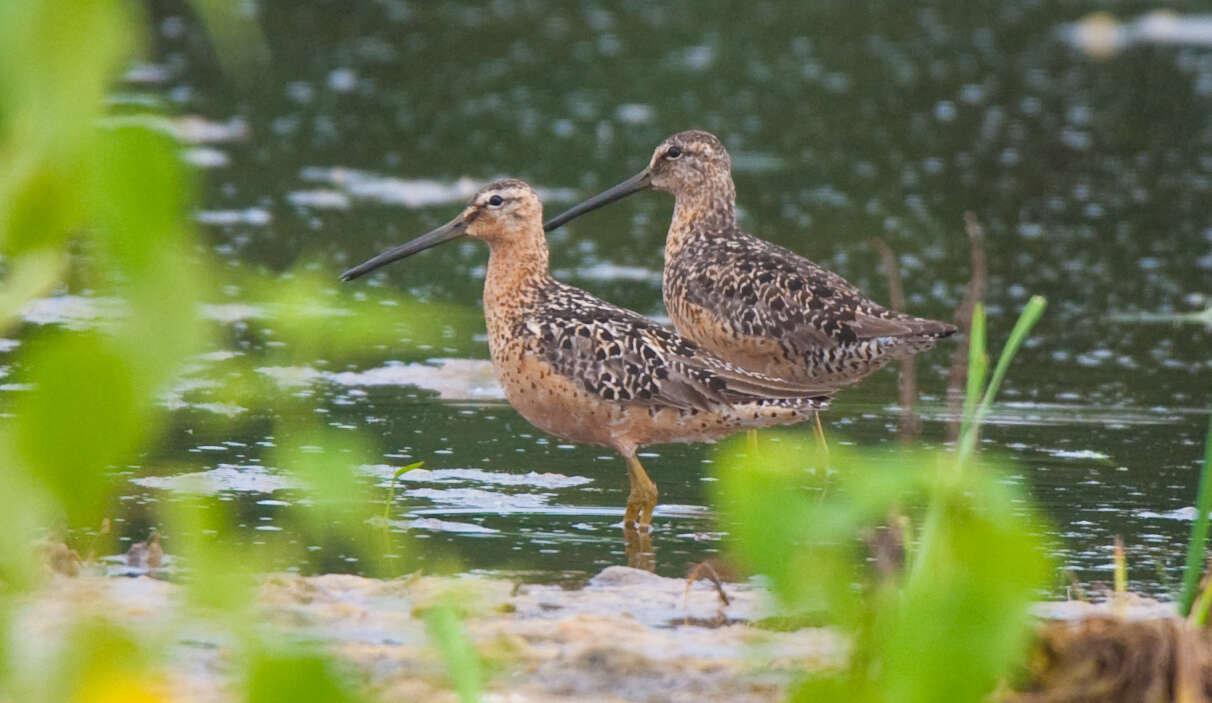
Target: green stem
(1199,610)
(1199,532)
(1121,567)
(1030,315)
(974,413)
(978,366)
(391,490)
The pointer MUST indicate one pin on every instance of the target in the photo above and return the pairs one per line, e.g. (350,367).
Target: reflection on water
(1092,179)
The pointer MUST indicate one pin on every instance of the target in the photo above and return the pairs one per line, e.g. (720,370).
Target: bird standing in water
(591,372)
(751,302)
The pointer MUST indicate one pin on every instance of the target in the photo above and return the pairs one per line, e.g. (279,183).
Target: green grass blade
(1121,567)
(1030,315)
(1199,610)
(974,412)
(391,490)
(1199,532)
(978,365)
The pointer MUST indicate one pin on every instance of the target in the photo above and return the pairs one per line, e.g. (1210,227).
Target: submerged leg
(643,496)
(820,432)
(751,441)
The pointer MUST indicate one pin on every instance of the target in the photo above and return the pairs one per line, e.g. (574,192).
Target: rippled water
(374,120)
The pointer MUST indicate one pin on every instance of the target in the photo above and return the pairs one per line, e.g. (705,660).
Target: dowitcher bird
(755,304)
(591,372)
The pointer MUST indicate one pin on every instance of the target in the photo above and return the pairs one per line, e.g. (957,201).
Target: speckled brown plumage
(769,310)
(588,371)
(753,303)
(619,355)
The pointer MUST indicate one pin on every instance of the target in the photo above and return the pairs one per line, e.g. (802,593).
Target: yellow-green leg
(751,442)
(819,432)
(643,497)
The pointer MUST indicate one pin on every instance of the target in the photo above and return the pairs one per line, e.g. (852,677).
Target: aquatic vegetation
(956,622)
(391,489)
(1133,658)
(1198,546)
(462,664)
(956,625)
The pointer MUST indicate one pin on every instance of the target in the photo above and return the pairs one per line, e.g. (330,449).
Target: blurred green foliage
(109,203)
(462,664)
(954,624)
(1197,548)
(949,632)
(296,675)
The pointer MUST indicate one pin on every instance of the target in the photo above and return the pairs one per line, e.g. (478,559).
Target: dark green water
(1092,178)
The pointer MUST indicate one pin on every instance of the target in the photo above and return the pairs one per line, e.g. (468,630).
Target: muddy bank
(627,635)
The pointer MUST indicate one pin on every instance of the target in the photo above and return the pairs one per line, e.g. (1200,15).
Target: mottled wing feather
(866,326)
(765,290)
(622,356)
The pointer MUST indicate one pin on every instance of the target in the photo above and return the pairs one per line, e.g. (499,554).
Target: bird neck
(514,267)
(709,209)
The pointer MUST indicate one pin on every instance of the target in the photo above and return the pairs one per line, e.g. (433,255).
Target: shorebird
(587,371)
(753,303)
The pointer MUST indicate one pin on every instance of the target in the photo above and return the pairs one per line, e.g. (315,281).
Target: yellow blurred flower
(117,688)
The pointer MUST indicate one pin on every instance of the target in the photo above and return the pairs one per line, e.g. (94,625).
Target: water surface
(374,121)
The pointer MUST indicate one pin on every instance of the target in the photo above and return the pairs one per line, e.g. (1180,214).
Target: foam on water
(225,477)
(411,193)
(496,478)
(453,379)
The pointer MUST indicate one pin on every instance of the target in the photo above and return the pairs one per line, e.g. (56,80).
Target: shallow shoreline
(627,635)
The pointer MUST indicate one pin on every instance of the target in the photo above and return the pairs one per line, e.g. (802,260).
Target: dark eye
(673,152)
(496,201)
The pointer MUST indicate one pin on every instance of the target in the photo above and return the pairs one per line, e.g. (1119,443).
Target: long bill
(638,182)
(451,230)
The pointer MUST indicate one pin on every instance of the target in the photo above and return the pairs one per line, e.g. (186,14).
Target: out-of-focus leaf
(39,209)
(55,66)
(963,621)
(946,634)
(313,320)
(236,36)
(30,276)
(462,661)
(342,511)
(222,569)
(323,461)
(99,663)
(75,55)
(137,193)
(85,412)
(780,526)
(293,676)
(27,507)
